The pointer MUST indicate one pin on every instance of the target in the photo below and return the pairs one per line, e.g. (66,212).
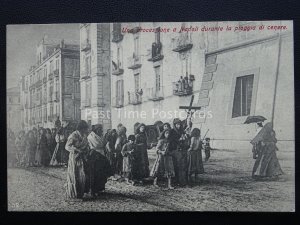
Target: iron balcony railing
(134,98)
(155,94)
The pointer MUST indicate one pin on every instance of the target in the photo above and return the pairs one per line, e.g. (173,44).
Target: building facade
(51,89)
(147,76)
(95,73)
(232,75)
(13,109)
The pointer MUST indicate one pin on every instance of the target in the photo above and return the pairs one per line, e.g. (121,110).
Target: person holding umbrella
(264,150)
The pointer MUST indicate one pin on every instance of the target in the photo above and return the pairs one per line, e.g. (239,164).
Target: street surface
(226,186)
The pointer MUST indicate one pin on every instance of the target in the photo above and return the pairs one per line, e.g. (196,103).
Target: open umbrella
(254,119)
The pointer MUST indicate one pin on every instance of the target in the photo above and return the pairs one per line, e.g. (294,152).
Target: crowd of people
(92,157)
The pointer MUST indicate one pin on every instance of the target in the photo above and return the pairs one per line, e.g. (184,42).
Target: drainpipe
(276,78)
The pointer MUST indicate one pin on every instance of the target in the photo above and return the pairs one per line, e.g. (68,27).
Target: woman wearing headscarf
(195,163)
(59,154)
(20,144)
(77,145)
(141,155)
(111,137)
(264,152)
(98,165)
(120,142)
(163,166)
(42,153)
(30,148)
(178,146)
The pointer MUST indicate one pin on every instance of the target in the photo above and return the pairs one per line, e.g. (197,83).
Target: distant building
(51,89)
(13,109)
(95,73)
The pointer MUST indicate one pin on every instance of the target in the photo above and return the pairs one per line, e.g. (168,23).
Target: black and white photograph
(151,116)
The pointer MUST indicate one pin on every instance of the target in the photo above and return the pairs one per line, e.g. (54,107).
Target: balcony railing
(86,46)
(155,94)
(182,88)
(134,98)
(134,62)
(155,52)
(117,36)
(182,43)
(85,76)
(118,102)
(116,68)
(56,72)
(50,75)
(87,102)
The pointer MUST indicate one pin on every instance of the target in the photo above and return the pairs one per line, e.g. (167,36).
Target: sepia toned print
(191,116)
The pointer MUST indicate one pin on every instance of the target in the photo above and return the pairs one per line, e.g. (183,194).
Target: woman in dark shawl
(264,151)
(98,165)
(20,144)
(42,153)
(30,148)
(141,164)
(179,149)
(111,137)
(120,142)
(77,145)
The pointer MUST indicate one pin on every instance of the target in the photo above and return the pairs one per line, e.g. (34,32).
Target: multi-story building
(13,109)
(232,74)
(51,89)
(95,77)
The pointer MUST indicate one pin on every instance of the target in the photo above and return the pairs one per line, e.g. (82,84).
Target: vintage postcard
(162,116)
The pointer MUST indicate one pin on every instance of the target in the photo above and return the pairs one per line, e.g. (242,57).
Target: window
(51,66)
(120,92)
(157,78)
(242,96)
(88,90)
(57,64)
(88,65)
(137,81)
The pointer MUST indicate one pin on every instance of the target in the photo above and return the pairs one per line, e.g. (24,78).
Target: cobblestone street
(226,186)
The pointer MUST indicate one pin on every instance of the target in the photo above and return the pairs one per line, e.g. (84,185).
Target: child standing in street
(127,153)
(163,166)
(207,149)
(195,164)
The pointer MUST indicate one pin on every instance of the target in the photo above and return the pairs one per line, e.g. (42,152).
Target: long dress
(127,153)
(20,145)
(163,165)
(141,161)
(42,154)
(179,150)
(98,165)
(195,163)
(30,151)
(77,145)
(59,156)
(121,140)
(266,163)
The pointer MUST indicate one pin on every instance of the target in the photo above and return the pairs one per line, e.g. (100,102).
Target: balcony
(56,96)
(86,46)
(118,102)
(117,70)
(134,62)
(87,103)
(135,98)
(56,72)
(39,83)
(117,36)
(155,94)
(45,80)
(155,52)
(182,88)
(182,43)
(50,76)
(85,76)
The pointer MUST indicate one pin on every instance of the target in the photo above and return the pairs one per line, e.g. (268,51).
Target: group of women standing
(36,148)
